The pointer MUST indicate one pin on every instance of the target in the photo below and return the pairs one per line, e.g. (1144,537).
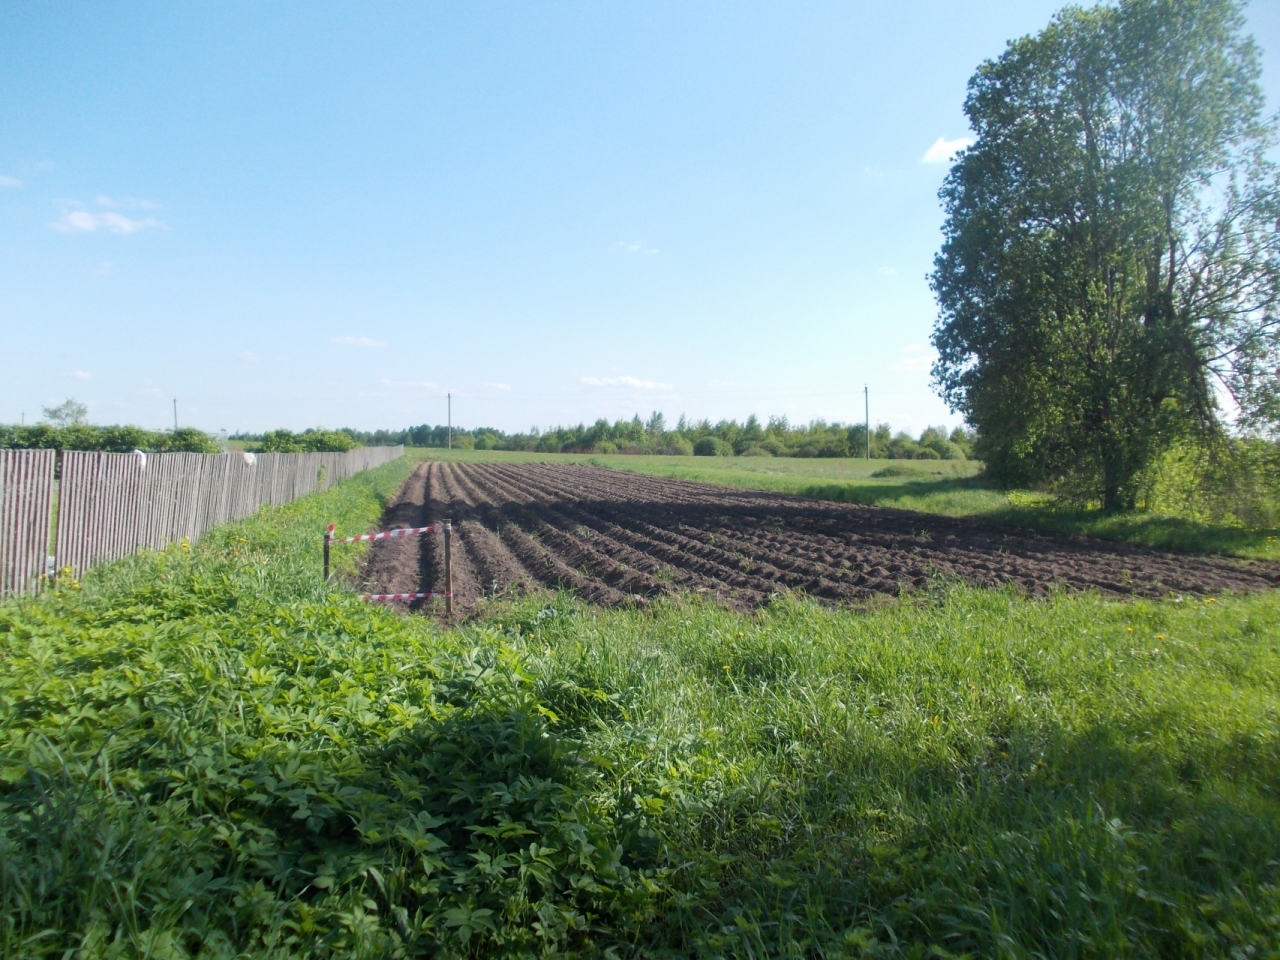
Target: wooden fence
(112,504)
(26,499)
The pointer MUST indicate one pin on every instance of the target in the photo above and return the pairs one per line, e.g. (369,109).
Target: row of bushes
(82,436)
(777,438)
(309,441)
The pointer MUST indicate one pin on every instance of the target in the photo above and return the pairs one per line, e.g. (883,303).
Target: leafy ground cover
(208,752)
(948,487)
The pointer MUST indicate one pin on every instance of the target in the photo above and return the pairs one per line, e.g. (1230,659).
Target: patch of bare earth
(615,538)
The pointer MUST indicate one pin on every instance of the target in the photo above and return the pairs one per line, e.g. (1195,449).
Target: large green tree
(1110,273)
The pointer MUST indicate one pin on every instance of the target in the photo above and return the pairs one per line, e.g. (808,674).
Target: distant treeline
(82,436)
(777,438)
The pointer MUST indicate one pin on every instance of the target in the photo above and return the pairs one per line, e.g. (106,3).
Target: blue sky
(305,213)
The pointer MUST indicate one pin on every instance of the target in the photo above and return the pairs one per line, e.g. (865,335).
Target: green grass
(209,752)
(949,488)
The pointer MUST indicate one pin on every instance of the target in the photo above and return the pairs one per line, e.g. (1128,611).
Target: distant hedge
(80,436)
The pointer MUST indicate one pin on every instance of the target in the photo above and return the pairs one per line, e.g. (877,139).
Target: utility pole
(866,398)
(175,413)
(449,396)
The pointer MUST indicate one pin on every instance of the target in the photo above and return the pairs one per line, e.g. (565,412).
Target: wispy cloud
(497,386)
(103,268)
(80,375)
(887,271)
(248,356)
(411,384)
(625,382)
(916,358)
(9,181)
(357,342)
(635,246)
(84,221)
(729,383)
(944,149)
(130,202)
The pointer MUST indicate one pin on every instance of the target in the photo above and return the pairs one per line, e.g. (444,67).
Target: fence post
(448,570)
(328,536)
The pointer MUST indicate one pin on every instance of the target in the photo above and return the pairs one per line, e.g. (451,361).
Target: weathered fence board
(112,504)
(26,503)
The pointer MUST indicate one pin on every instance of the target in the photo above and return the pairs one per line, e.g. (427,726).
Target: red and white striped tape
(385,534)
(402,596)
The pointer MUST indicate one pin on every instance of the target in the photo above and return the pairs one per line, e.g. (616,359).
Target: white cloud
(497,386)
(357,342)
(634,246)
(80,375)
(9,181)
(248,356)
(625,382)
(729,383)
(944,149)
(103,268)
(917,358)
(887,271)
(83,221)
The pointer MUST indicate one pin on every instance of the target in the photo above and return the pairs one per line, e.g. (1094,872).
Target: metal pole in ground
(866,396)
(328,536)
(448,570)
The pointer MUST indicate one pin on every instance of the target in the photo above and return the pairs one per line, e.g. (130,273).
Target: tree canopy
(1110,272)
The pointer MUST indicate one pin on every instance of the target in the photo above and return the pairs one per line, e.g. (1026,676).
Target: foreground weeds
(208,753)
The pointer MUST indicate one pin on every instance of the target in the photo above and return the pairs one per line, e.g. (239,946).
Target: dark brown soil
(617,538)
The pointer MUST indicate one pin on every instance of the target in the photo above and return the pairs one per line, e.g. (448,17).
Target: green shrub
(189,440)
(326,441)
(1238,482)
(755,451)
(674,445)
(281,441)
(712,447)
(926,453)
(309,441)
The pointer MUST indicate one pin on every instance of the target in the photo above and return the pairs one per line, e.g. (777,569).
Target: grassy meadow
(948,487)
(208,752)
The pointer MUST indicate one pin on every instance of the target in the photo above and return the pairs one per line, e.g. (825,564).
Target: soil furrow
(614,537)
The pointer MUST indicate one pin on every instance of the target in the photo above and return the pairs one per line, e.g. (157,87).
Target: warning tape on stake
(387,534)
(403,596)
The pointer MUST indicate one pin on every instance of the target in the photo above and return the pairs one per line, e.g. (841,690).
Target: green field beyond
(208,752)
(948,487)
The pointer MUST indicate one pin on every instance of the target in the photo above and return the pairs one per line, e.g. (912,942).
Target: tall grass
(209,752)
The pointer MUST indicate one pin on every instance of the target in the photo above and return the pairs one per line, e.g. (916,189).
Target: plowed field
(616,537)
